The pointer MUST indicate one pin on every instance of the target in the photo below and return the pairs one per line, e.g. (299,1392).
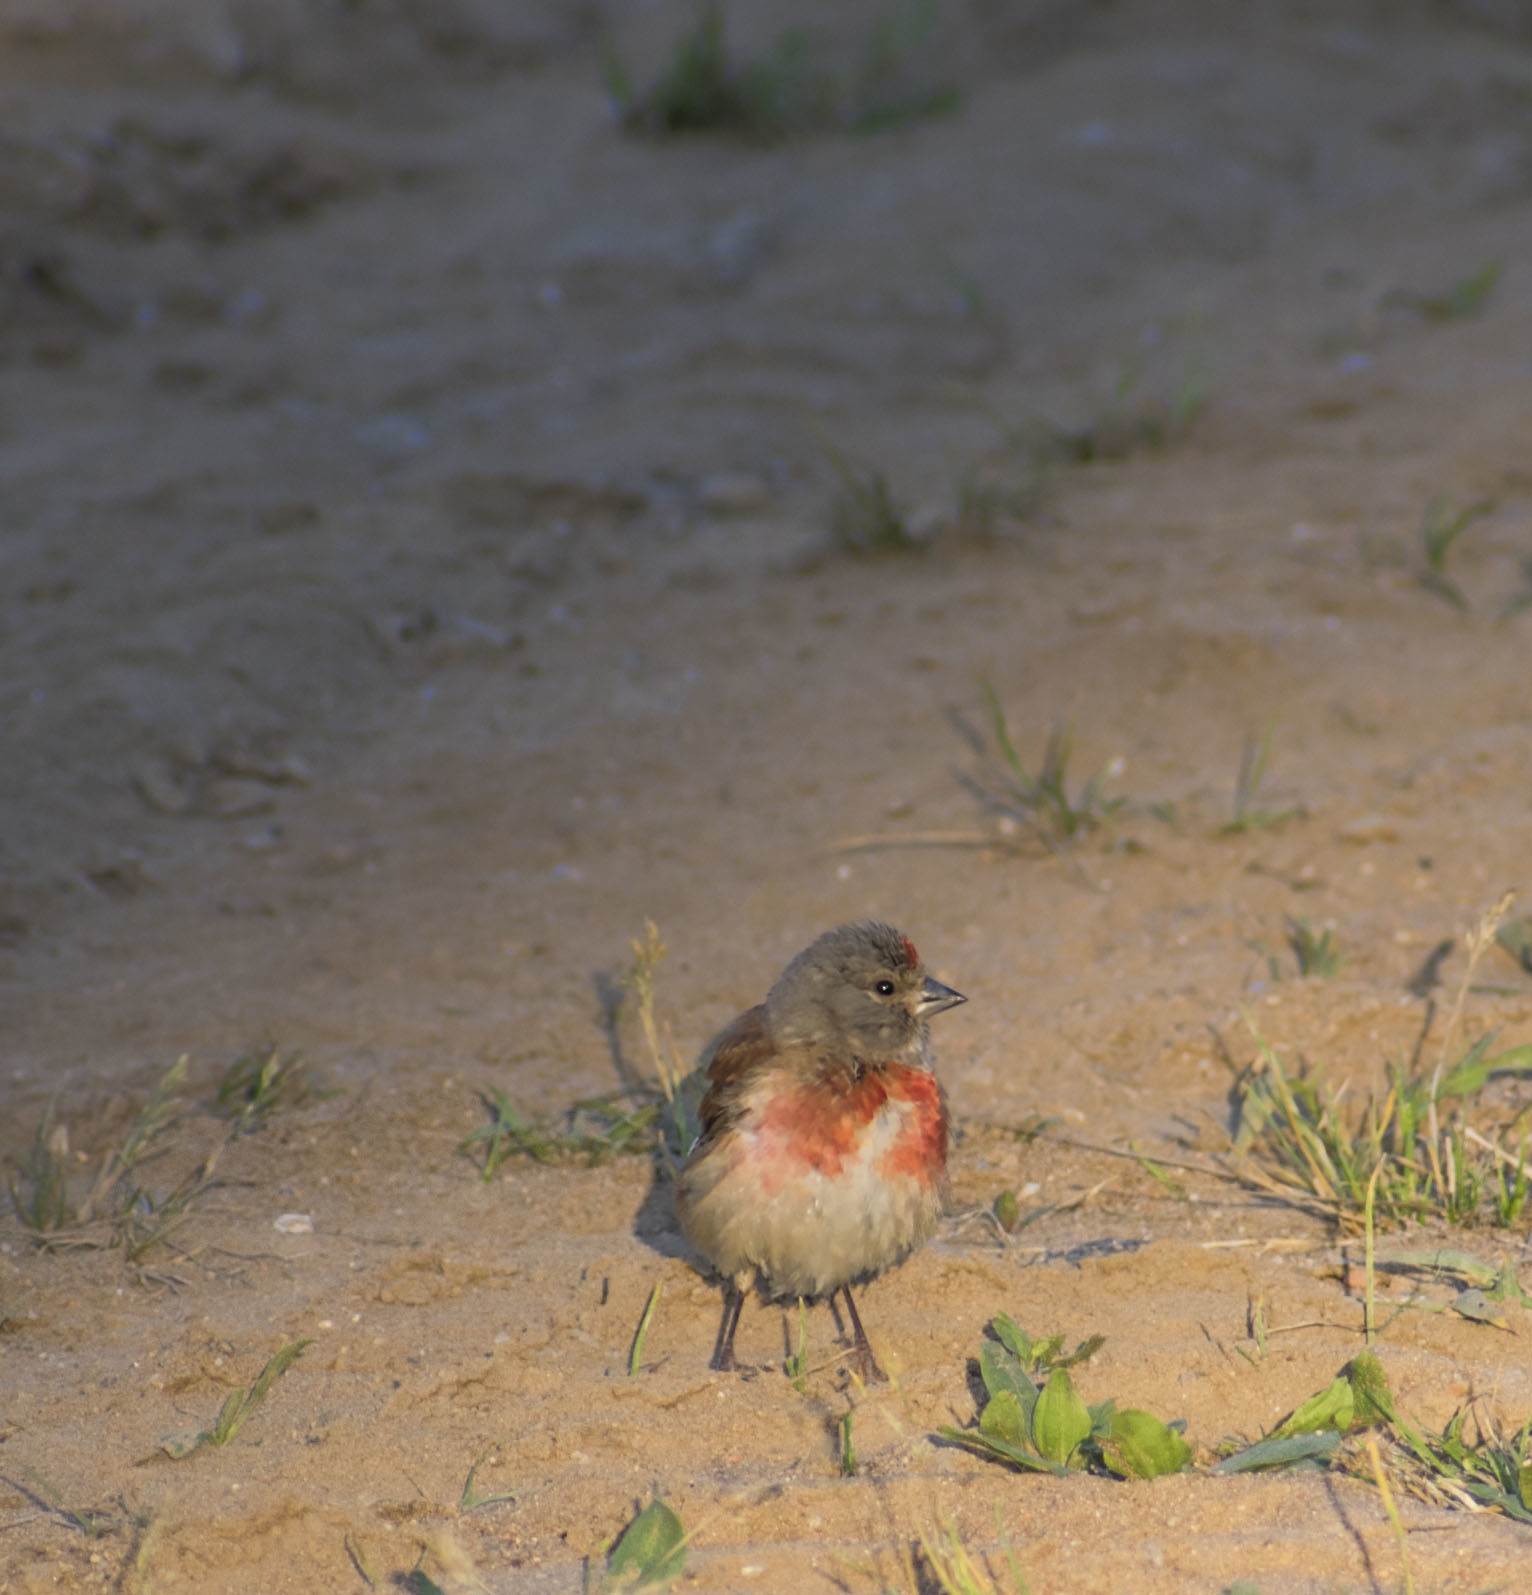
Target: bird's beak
(935,998)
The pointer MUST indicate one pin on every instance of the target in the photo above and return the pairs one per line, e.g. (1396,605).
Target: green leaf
(1060,1420)
(1475,1069)
(1372,1398)
(1524,1483)
(1331,1408)
(1003,1374)
(1002,1450)
(1005,1419)
(1138,1445)
(231,1417)
(1013,1337)
(1508,1288)
(1295,1451)
(651,1552)
(1515,935)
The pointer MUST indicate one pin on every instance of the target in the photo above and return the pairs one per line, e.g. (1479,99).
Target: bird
(822,1156)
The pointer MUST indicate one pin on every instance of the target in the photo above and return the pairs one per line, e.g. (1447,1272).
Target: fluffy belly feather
(812,1213)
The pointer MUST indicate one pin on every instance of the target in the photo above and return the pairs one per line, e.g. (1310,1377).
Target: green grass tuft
(1320,1148)
(1042,800)
(789,90)
(1249,815)
(240,1405)
(1316,954)
(262,1082)
(864,519)
(118,1209)
(1440,529)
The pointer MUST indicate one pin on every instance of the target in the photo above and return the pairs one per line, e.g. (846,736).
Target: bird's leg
(723,1351)
(866,1363)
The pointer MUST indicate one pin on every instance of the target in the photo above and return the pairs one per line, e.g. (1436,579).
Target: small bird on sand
(823,1153)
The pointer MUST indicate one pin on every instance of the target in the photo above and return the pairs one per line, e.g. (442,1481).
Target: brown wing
(734,1054)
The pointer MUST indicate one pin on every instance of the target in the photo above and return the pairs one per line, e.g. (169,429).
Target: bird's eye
(884,988)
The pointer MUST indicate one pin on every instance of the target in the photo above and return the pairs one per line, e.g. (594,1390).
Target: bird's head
(861,989)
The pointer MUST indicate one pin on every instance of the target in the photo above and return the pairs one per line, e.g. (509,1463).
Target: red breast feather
(819,1181)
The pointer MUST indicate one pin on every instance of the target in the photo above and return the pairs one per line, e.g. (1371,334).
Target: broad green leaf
(1004,1419)
(1331,1408)
(1515,935)
(651,1552)
(1524,1483)
(993,1446)
(1491,1495)
(1139,1446)
(1012,1336)
(1475,1069)
(1508,1288)
(1297,1450)
(1060,1420)
(1101,1415)
(1002,1373)
(1372,1399)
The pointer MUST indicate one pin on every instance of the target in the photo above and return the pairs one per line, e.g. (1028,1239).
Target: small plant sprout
(702,90)
(259,1083)
(91,1524)
(864,519)
(1314,951)
(636,1353)
(847,1449)
(650,1553)
(1248,815)
(982,506)
(892,89)
(1043,799)
(1439,531)
(1137,415)
(472,1499)
(118,1210)
(1465,297)
(784,91)
(361,1561)
(240,1405)
(657,1118)
(1048,1428)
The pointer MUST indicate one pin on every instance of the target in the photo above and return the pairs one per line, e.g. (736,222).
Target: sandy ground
(416,575)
